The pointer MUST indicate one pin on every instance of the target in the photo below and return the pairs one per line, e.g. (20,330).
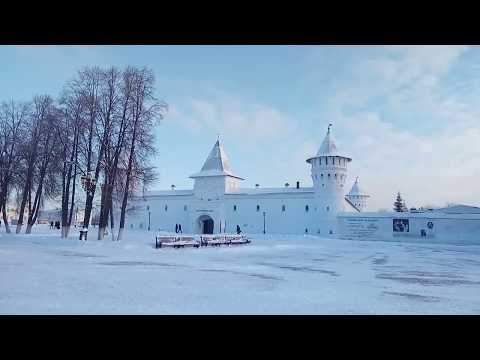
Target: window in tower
(328,175)
(306,208)
(320,159)
(258,207)
(328,208)
(234,207)
(326,160)
(184,207)
(283,208)
(321,175)
(166,207)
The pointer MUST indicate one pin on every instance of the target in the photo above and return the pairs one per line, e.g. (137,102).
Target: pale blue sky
(408,115)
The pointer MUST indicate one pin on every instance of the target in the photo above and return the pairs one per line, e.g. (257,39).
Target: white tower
(357,197)
(216,177)
(329,172)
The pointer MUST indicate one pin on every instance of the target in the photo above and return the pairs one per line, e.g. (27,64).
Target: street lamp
(264,222)
(88,185)
(148,208)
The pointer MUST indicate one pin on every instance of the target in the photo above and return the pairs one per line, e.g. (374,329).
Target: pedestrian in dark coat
(180,228)
(176,228)
(238,230)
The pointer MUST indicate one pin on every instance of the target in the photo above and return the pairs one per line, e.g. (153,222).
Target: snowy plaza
(44,274)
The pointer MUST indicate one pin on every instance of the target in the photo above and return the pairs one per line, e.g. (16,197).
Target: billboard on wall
(360,228)
(401,225)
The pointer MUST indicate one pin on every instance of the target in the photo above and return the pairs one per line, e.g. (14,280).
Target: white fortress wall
(165,212)
(285,213)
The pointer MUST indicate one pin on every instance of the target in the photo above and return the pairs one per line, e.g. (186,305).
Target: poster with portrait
(401,225)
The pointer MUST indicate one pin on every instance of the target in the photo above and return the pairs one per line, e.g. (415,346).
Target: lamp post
(88,184)
(264,222)
(148,208)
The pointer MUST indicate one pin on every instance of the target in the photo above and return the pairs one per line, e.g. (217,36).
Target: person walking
(180,228)
(176,228)
(238,230)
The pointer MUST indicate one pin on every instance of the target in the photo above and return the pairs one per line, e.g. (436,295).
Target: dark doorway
(207,226)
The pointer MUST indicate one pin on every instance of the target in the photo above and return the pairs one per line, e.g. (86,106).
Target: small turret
(357,197)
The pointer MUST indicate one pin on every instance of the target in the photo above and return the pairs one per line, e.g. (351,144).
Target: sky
(409,116)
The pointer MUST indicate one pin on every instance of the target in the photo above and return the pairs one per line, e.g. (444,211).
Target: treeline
(95,139)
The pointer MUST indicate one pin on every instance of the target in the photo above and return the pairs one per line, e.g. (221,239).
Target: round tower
(357,197)
(329,172)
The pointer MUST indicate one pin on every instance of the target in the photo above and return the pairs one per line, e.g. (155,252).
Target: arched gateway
(205,225)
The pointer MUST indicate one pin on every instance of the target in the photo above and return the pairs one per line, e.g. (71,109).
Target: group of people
(56,224)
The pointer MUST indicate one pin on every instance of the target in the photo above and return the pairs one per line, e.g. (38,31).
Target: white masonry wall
(445,228)
(166,211)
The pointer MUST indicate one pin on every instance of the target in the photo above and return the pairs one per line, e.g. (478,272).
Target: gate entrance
(205,224)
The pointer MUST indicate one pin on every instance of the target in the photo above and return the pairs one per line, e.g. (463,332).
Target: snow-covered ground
(43,274)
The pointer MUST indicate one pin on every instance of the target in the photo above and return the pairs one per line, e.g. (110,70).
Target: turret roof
(355,190)
(217,164)
(328,147)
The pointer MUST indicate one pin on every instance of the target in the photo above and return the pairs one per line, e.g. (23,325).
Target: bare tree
(12,117)
(69,130)
(146,110)
(46,167)
(87,84)
(112,122)
(35,130)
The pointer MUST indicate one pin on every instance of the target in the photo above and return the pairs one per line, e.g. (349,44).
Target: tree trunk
(127,185)
(72,202)
(64,204)
(23,203)
(102,220)
(5,219)
(29,228)
(32,216)
(111,218)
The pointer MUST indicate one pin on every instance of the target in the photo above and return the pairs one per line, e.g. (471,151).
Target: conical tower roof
(356,190)
(328,147)
(217,163)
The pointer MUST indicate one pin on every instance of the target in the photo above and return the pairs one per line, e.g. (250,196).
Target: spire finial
(218,136)
(328,131)
(356,180)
